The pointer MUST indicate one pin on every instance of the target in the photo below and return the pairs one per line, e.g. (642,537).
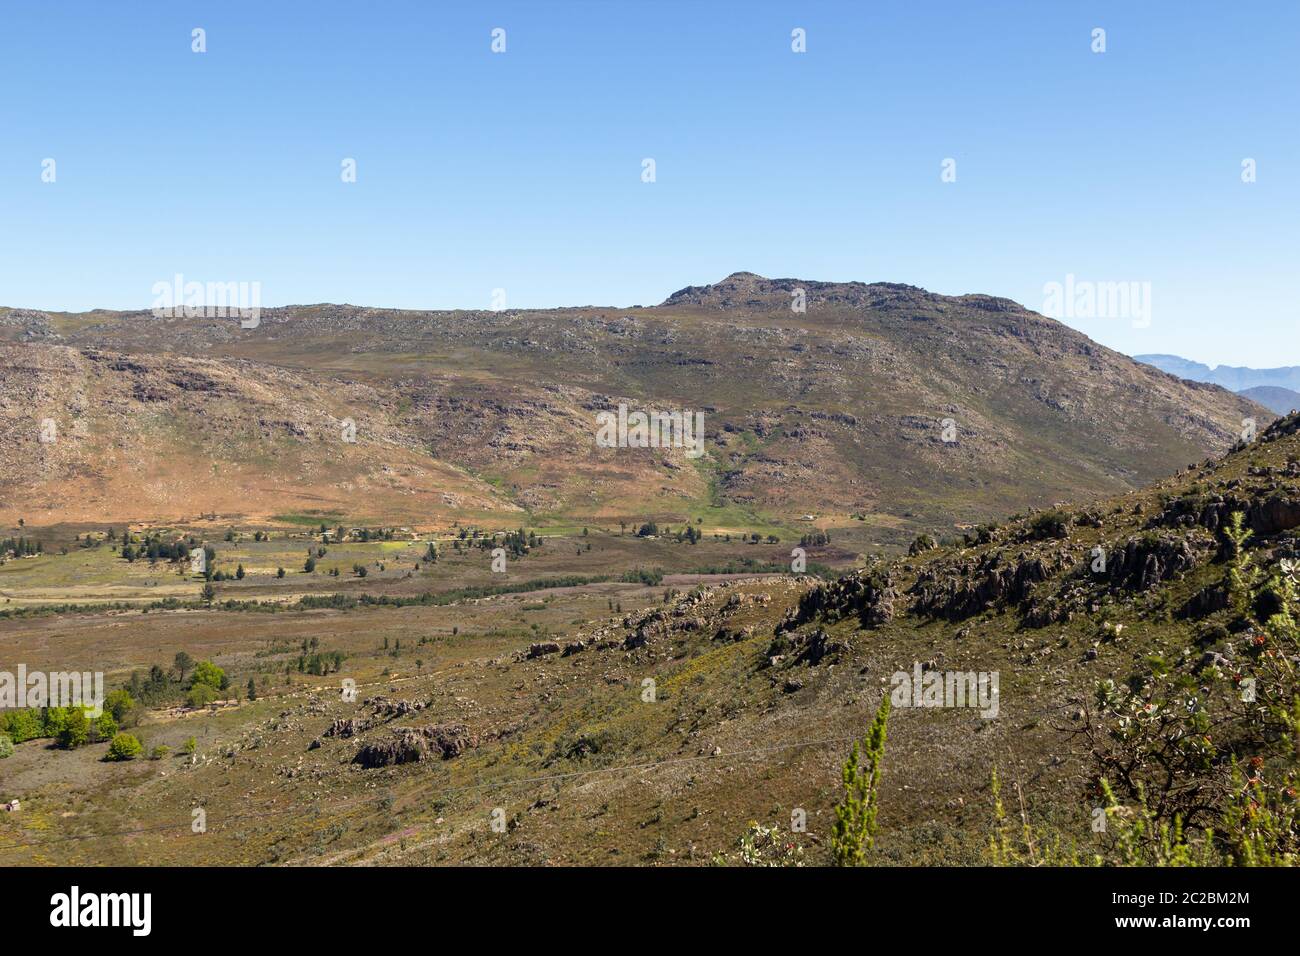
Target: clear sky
(523,170)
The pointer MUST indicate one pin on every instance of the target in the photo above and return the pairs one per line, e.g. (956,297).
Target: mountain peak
(753,291)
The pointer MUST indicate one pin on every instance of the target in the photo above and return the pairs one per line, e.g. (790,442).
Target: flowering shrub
(764,846)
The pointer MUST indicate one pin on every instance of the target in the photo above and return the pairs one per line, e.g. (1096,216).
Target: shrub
(75,731)
(206,672)
(1195,763)
(1049,524)
(6,746)
(162,750)
(122,706)
(922,543)
(855,816)
(124,746)
(22,725)
(104,728)
(200,695)
(764,846)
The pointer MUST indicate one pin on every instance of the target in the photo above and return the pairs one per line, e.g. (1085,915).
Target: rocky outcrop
(1150,558)
(344,727)
(411,745)
(810,647)
(389,709)
(1206,601)
(867,594)
(958,591)
(1277,512)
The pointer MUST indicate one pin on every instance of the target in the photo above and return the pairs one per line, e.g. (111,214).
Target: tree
(855,816)
(309,565)
(209,673)
(209,593)
(124,747)
(279,572)
(120,705)
(76,730)
(252,689)
(200,695)
(239,572)
(183,663)
(22,725)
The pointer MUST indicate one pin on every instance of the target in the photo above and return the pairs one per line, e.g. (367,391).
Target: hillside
(656,735)
(838,411)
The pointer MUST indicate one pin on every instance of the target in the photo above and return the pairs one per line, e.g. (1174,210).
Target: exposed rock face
(1147,560)
(1275,513)
(958,591)
(411,745)
(1269,512)
(542,648)
(811,648)
(347,727)
(1206,601)
(387,708)
(869,595)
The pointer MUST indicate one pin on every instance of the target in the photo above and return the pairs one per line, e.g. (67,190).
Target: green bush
(75,731)
(855,816)
(922,543)
(105,728)
(1049,524)
(201,695)
(122,706)
(22,725)
(206,672)
(124,747)
(6,746)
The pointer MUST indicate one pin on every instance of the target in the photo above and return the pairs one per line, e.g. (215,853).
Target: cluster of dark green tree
(196,683)
(20,547)
(154,547)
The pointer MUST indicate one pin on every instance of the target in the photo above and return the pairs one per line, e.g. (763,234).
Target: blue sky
(522,170)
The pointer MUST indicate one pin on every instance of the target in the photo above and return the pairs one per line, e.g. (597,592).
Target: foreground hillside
(881,404)
(657,733)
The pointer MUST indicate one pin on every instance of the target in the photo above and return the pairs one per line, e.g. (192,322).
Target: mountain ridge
(836,411)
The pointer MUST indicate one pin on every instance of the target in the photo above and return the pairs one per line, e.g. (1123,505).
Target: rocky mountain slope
(903,407)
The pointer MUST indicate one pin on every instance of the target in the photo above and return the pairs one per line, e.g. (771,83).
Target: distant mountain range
(1275,388)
